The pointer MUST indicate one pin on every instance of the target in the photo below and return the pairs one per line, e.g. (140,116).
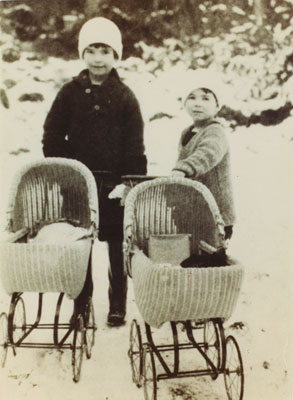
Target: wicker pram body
(44,192)
(165,292)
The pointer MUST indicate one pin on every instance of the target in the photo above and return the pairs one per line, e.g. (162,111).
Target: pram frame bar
(232,370)
(29,328)
(177,347)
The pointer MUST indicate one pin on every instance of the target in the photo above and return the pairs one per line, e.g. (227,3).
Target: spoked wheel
(233,372)
(90,328)
(3,338)
(78,347)
(135,352)
(17,319)
(212,344)
(149,373)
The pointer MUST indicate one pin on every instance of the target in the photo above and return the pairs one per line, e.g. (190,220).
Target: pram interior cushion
(172,206)
(169,248)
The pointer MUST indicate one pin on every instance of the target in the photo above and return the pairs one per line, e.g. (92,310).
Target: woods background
(250,42)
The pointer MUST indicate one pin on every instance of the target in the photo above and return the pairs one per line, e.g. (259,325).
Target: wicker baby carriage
(46,193)
(162,218)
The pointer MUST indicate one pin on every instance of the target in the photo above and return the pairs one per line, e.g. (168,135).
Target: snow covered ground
(262,172)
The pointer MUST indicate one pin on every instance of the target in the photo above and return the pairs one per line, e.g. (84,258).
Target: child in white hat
(96,119)
(204,152)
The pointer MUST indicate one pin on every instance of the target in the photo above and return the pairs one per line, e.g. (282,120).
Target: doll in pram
(49,193)
(169,220)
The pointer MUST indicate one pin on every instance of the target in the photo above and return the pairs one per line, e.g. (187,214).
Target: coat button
(88,90)
(97,107)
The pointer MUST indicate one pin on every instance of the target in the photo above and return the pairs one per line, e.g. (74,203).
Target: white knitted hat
(203,78)
(100,30)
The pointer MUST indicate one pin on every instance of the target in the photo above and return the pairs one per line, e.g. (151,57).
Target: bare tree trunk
(192,11)
(45,11)
(260,8)
(188,16)
(91,8)
(156,4)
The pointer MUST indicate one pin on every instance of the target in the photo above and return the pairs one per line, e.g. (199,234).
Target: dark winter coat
(102,127)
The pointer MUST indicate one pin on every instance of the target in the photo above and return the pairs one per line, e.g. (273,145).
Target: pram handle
(133,180)
(130,180)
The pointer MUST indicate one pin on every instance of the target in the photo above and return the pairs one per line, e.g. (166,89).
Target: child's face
(201,104)
(99,59)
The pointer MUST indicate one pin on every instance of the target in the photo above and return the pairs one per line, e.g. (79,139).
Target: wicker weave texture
(32,267)
(171,206)
(42,192)
(171,293)
(52,189)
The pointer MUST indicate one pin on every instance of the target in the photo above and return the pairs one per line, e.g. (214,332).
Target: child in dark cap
(204,153)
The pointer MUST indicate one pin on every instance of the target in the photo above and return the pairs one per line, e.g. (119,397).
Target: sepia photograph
(146,217)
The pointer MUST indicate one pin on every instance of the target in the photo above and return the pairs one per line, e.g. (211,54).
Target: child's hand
(117,192)
(128,232)
(120,192)
(124,195)
(177,173)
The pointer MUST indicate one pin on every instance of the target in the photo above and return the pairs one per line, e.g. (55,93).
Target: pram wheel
(149,373)
(16,319)
(233,372)
(135,352)
(90,328)
(78,347)
(3,338)
(212,343)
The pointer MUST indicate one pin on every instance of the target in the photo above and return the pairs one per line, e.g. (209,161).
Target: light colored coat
(205,157)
